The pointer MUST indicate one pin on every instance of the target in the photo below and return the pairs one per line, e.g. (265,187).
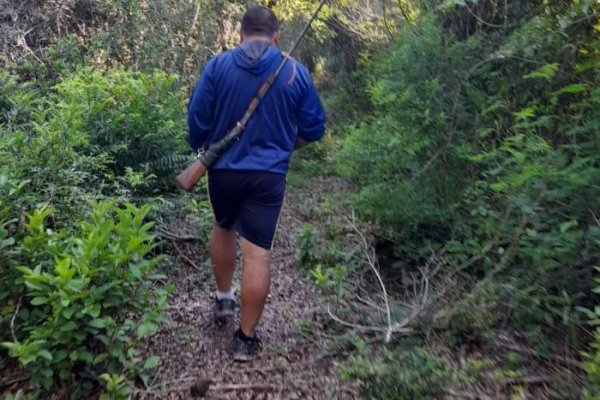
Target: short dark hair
(259,21)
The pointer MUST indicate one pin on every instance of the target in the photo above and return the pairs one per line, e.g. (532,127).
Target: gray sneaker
(224,308)
(244,347)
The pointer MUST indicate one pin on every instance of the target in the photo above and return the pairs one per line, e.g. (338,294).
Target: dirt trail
(292,363)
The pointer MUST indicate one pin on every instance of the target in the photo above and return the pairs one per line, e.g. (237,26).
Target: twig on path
(186,258)
(183,238)
(202,386)
(247,386)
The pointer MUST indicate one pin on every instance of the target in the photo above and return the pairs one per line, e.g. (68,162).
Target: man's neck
(248,39)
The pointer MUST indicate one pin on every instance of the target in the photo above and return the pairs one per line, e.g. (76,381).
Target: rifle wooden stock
(191,176)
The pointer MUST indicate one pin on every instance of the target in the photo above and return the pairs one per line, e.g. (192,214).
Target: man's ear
(276,38)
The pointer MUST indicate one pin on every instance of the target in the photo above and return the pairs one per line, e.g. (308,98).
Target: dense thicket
(483,147)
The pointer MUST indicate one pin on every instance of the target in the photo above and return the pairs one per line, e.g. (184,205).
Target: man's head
(259,22)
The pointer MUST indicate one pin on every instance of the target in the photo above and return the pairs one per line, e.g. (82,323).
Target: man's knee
(254,253)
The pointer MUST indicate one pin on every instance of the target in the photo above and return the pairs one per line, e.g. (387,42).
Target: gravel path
(292,364)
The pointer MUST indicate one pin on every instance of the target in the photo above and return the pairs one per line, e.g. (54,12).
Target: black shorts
(247,201)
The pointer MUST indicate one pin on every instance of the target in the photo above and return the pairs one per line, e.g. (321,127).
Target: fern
(168,164)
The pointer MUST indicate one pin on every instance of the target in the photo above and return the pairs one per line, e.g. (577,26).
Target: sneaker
(244,347)
(224,308)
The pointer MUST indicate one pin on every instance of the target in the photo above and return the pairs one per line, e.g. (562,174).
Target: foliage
(173,36)
(330,279)
(134,118)
(413,374)
(73,320)
(308,247)
(473,134)
(408,98)
(477,149)
(482,145)
(592,363)
(66,270)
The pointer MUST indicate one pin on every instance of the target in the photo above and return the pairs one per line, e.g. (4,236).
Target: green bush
(474,149)
(388,155)
(66,269)
(45,161)
(135,118)
(95,134)
(89,295)
(592,356)
(413,374)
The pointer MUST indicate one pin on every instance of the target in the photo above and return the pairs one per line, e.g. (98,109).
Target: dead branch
(186,258)
(396,328)
(478,18)
(596,220)
(401,327)
(416,310)
(195,19)
(182,238)
(372,263)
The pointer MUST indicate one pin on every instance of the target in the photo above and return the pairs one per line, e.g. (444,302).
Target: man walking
(247,182)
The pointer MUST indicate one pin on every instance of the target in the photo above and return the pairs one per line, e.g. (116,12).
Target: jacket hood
(255,56)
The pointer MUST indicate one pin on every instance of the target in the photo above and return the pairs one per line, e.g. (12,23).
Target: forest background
(468,129)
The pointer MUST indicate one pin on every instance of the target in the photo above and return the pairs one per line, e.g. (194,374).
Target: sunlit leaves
(547,72)
(83,290)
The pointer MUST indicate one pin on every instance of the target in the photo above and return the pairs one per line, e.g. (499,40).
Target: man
(247,183)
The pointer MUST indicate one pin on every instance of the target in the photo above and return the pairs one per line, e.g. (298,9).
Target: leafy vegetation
(78,266)
(75,290)
(469,131)
(412,374)
(479,149)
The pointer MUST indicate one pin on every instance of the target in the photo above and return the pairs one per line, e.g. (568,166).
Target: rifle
(191,175)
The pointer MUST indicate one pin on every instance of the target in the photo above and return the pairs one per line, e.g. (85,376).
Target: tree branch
(186,258)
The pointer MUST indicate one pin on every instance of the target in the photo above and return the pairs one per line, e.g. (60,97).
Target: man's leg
(222,255)
(255,285)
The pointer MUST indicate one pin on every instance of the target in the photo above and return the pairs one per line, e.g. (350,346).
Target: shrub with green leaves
(135,118)
(592,356)
(484,143)
(412,374)
(592,364)
(389,154)
(88,295)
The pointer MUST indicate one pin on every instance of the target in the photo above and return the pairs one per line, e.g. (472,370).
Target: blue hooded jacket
(290,108)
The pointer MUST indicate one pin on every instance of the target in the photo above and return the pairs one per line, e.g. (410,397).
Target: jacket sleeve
(310,115)
(201,108)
